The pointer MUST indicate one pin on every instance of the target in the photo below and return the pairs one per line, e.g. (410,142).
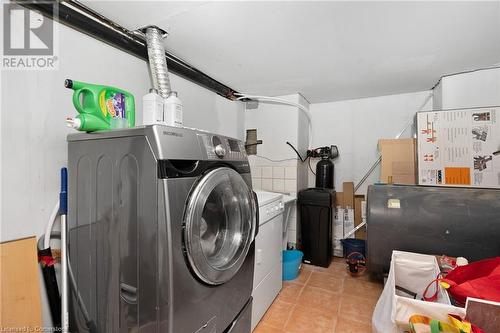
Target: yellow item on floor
(423,324)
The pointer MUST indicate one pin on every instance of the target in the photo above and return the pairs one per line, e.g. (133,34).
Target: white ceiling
(325,50)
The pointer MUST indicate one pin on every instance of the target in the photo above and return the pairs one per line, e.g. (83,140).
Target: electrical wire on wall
(277,161)
(310,168)
(300,158)
(287,159)
(308,158)
(297,152)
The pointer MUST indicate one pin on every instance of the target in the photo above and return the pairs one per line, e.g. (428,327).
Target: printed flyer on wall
(459,147)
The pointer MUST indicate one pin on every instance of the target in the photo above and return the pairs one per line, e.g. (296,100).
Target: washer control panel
(220,147)
(270,210)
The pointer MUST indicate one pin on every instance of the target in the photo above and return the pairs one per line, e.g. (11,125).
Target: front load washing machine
(162,223)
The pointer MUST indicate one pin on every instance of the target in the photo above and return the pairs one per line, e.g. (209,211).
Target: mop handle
(63,211)
(63,194)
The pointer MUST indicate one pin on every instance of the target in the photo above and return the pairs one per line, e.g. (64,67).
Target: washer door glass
(219,225)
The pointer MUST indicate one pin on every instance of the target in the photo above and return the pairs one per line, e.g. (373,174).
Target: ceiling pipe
(79,17)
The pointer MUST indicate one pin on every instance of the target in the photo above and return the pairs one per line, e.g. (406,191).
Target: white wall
(475,89)
(206,110)
(276,124)
(276,167)
(355,126)
(35,104)
(303,137)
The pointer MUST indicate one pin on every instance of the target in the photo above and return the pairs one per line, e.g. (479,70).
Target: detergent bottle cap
(173,93)
(75,123)
(153,90)
(68,83)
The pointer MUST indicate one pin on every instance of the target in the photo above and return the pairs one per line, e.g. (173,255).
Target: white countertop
(264,197)
(287,199)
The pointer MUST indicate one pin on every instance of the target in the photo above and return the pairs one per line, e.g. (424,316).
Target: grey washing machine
(162,223)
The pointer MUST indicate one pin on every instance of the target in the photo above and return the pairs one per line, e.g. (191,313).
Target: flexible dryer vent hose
(158,61)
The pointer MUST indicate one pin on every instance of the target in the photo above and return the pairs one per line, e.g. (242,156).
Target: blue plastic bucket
(353,245)
(291,264)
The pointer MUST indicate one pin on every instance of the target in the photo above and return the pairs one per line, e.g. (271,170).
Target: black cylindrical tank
(431,219)
(324,174)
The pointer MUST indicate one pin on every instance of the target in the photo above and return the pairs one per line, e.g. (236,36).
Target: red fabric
(46,260)
(480,279)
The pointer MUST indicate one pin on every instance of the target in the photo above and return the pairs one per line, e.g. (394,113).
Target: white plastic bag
(413,272)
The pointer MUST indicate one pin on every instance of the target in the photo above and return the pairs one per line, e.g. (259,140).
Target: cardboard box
(19,286)
(339,199)
(338,232)
(398,164)
(345,215)
(459,147)
(348,222)
(348,194)
(358,216)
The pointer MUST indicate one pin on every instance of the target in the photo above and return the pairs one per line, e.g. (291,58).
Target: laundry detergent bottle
(100,107)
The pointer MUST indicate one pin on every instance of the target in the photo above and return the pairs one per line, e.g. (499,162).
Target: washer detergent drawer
(267,248)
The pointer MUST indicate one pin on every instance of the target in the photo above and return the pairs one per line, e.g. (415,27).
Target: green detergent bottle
(100,107)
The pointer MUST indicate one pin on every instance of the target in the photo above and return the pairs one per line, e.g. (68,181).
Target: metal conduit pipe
(157,60)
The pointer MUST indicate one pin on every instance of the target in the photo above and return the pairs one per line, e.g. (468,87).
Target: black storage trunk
(315,213)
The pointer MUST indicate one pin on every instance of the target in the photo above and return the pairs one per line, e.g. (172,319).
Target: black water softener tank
(324,173)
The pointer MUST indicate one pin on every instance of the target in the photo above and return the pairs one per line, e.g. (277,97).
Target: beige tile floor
(323,300)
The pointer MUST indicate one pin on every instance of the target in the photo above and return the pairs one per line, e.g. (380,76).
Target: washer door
(219,225)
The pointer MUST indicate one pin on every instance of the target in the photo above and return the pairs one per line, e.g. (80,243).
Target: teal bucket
(291,264)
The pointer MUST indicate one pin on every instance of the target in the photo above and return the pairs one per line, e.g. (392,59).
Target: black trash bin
(315,214)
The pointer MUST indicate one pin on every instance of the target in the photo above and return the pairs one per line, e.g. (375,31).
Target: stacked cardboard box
(348,214)
(398,165)
(360,215)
